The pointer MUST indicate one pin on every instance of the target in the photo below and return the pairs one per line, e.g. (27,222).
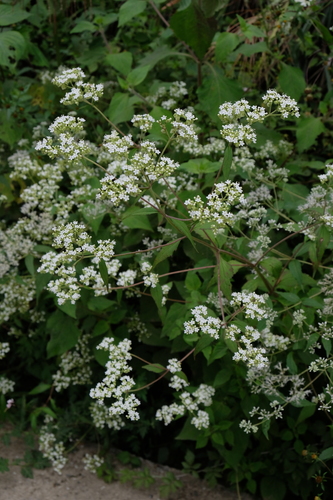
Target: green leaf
(291,364)
(120,109)
(68,308)
(289,298)
(222,377)
(292,81)
(226,273)
(227,161)
(130,9)
(12,14)
(192,281)
(308,129)
(156,293)
(29,264)
(103,272)
(26,471)
(155,368)
(40,388)
(189,432)
(12,46)
(157,55)
(326,454)
(165,252)
(138,222)
(295,268)
(200,166)
(215,90)
(193,28)
(248,49)
(225,45)
(137,75)
(183,229)
(204,341)
(306,413)
(122,62)
(101,327)
(100,303)
(82,26)
(64,333)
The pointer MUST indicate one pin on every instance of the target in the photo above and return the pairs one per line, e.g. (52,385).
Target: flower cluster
(219,202)
(74,366)
(203,323)
(51,449)
(115,384)
(285,105)
(92,462)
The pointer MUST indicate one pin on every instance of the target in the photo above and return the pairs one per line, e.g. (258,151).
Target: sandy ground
(75,483)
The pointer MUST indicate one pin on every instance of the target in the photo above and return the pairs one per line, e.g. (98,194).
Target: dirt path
(75,483)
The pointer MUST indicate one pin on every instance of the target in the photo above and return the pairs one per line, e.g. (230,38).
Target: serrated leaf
(225,45)
(155,368)
(138,222)
(200,166)
(192,281)
(193,28)
(130,9)
(182,228)
(122,61)
(165,252)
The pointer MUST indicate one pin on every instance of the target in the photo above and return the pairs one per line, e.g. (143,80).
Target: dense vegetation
(166,236)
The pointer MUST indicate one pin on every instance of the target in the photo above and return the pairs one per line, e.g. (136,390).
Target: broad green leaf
(68,308)
(215,90)
(183,229)
(226,274)
(306,413)
(308,129)
(200,166)
(165,252)
(326,454)
(289,298)
(101,327)
(137,75)
(155,368)
(225,45)
(157,55)
(120,109)
(130,9)
(295,268)
(122,61)
(29,264)
(204,341)
(227,161)
(12,14)
(12,45)
(193,28)
(248,49)
(292,81)
(100,303)
(291,364)
(84,26)
(249,30)
(192,281)
(64,333)
(222,377)
(189,432)
(40,388)
(103,272)
(138,222)
(156,293)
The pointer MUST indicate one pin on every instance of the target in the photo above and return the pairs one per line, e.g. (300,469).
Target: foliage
(134,236)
